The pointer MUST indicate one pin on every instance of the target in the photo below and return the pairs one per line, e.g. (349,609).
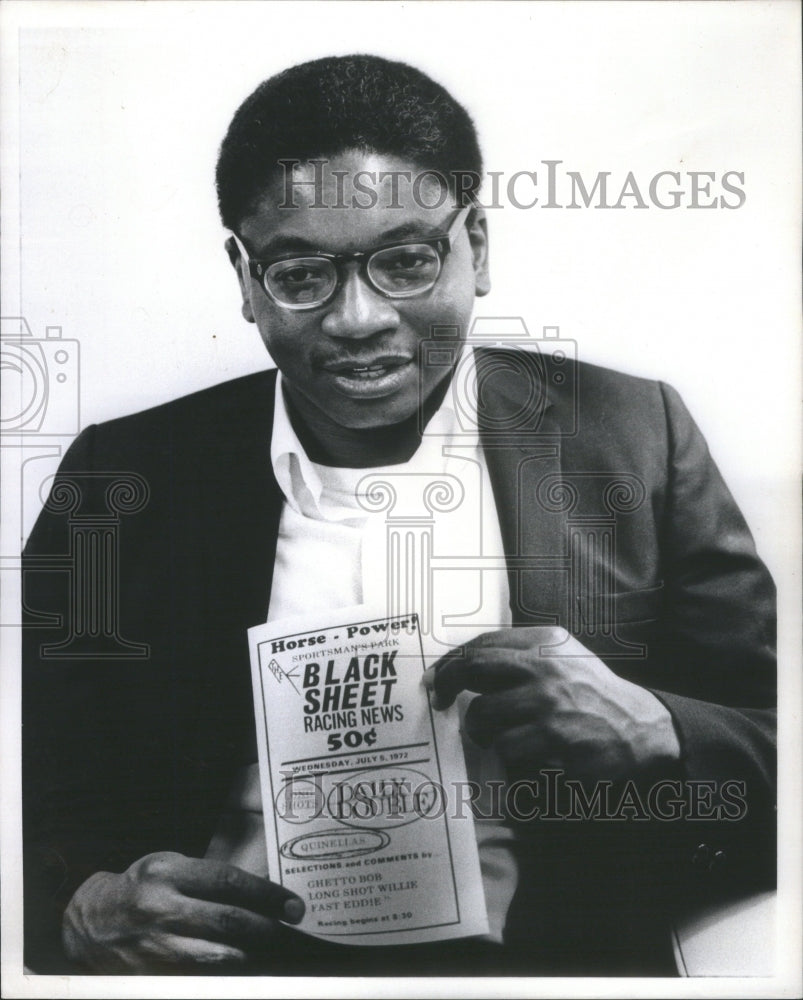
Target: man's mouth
(383,373)
(367,369)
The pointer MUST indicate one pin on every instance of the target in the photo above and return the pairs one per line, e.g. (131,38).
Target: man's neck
(359,448)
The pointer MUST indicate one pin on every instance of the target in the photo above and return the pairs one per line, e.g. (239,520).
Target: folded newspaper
(362,782)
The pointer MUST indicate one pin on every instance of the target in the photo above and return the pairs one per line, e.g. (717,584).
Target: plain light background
(112,117)
(120,122)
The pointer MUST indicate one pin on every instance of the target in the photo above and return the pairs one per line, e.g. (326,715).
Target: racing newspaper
(363,778)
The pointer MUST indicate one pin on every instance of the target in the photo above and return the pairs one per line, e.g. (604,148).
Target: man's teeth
(372,371)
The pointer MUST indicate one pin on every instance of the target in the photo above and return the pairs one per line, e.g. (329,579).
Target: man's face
(320,350)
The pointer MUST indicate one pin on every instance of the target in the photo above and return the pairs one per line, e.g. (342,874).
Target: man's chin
(379,422)
(368,412)
(366,409)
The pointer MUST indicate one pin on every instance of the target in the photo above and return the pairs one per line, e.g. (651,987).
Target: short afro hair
(323,107)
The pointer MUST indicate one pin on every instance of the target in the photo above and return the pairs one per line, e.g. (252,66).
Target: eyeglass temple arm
(240,247)
(460,219)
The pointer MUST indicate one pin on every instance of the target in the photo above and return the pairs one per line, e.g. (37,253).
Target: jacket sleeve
(55,854)
(606,884)
(718,644)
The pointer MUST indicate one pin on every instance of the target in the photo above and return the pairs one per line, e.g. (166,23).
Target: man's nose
(358,310)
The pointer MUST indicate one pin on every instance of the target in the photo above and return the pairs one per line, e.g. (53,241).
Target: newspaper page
(360,781)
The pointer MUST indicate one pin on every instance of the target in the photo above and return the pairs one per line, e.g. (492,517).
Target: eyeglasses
(395,270)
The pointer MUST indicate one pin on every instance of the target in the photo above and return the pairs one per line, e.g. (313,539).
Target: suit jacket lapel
(521,422)
(242,505)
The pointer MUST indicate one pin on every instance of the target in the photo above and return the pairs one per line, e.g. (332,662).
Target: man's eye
(405,267)
(299,275)
(299,281)
(407,261)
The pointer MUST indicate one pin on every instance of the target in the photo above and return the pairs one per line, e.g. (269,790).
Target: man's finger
(218,882)
(527,746)
(533,637)
(481,670)
(224,923)
(176,952)
(491,715)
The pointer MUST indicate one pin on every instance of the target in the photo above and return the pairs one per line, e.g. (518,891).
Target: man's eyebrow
(286,244)
(409,229)
(298,244)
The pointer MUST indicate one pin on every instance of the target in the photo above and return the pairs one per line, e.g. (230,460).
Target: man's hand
(168,912)
(543,707)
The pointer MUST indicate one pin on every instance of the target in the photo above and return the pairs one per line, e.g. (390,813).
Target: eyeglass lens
(396,271)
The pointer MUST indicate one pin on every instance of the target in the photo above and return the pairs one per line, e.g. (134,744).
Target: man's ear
(478,236)
(243,277)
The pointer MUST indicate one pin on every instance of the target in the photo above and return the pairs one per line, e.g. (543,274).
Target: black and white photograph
(401,532)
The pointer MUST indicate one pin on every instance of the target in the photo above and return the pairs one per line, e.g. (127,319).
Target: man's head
(323,107)
(379,155)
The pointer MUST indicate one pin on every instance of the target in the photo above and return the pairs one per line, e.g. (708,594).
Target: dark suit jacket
(125,756)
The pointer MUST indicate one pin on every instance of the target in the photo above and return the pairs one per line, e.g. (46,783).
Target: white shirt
(333,551)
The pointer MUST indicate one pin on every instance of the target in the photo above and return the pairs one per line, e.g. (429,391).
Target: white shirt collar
(298,477)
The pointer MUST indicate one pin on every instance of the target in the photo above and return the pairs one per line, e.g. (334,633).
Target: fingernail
(293,911)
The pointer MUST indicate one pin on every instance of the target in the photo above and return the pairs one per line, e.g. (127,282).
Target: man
(641,658)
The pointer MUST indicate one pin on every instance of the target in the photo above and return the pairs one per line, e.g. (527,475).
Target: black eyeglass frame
(441,243)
